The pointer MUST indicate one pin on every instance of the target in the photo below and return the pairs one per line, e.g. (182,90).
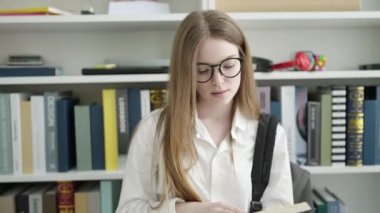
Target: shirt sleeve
(138,191)
(279,191)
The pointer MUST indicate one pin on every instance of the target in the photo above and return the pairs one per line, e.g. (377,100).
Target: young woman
(195,154)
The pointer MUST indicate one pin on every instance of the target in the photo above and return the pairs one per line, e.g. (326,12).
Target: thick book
(38,133)
(16,71)
(65,196)
(83,137)
(355,125)
(122,120)
(109,195)
(34,11)
(124,70)
(288,5)
(51,137)
(110,129)
(66,134)
(6,160)
(16,99)
(294,208)
(313,133)
(97,137)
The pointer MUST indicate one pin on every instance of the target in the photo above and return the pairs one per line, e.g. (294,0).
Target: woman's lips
(219,92)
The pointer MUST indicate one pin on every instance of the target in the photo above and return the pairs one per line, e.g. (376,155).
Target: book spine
(355,125)
(326,107)
(288,117)
(97,137)
(6,162)
(35,203)
(66,134)
(134,107)
(338,122)
(145,102)
(38,134)
(28,71)
(26,139)
(65,196)
(51,132)
(110,129)
(15,99)
(313,133)
(377,127)
(157,98)
(83,137)
(300,122)
(122,120)
(264,99)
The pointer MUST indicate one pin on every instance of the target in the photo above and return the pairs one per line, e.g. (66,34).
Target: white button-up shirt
(215,177)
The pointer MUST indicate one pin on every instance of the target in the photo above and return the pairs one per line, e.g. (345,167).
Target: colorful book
(110,129)
(65,196)
(34,11)
(157,98)
(15,71)
(355,125)
(26,137)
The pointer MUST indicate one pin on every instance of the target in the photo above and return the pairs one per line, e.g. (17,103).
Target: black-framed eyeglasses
(229,68)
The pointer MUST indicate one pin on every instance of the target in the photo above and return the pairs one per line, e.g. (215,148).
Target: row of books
(61,197)
(52,132)
(326,201)
(336,125)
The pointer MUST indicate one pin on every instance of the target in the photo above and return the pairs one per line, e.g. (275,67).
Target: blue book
(66,134)
(134,108)
(11,71)
(97,137)
(369,148)
(377,126)
(109,195)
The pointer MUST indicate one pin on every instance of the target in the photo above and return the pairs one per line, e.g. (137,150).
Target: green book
(109,194)
(326,128)
(6,158)
(83,137)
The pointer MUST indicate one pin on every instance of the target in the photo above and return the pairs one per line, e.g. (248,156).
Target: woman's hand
(205,207)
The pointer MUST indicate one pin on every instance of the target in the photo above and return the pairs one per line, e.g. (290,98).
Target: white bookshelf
(73,42)
(263,20)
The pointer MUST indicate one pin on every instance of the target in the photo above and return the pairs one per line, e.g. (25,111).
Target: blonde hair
(177,121)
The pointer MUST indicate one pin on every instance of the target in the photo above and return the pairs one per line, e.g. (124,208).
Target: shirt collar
(239,122)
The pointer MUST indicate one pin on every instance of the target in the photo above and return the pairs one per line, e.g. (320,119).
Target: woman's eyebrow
(230,56)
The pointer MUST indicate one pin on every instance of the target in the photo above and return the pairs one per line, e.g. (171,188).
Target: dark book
(134,107)
(355,125)
(66,134)
(65,196)
(49,200)
(97,137)
(124,70)
(313,133)
(122,120)
(369,67)
(12,71)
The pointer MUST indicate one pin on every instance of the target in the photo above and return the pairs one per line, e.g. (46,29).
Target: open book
(295,208)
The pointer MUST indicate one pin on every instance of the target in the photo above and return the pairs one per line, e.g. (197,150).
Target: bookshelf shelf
(361,75)
(269,20)
(325,170)
(71,175)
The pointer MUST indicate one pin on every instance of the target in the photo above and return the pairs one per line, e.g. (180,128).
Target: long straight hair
(177,121)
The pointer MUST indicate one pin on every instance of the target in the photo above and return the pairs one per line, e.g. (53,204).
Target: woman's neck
(214,113)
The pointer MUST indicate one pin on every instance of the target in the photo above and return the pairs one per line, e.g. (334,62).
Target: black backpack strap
(262,158)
